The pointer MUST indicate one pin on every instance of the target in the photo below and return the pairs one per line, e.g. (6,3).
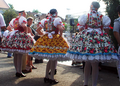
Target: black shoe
(53,81)
(46,80)
(9,57)
(20,75)
(117,76)
(54,73)
(38,61)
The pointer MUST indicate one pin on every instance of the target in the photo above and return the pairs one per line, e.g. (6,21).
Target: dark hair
(21,11)
(53,11)
(29,18)
(46,16)
(118,9)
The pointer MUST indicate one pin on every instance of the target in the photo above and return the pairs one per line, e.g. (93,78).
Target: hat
(95,4)
(21,11)
(29,18)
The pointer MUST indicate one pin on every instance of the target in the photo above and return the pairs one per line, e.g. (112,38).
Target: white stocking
(48,69)
(118,68)
(15,61)
(19,63)
(56,64)
(87,71)
(52,67)
(95,72)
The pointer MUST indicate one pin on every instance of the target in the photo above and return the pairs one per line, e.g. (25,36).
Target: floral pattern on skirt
(19,42)
(46,48)
(92,46)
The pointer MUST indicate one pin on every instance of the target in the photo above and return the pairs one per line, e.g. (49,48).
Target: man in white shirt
(2,25)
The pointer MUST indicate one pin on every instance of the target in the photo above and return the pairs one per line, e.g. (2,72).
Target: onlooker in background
(2,25)
(28,59)
(10,28)
(116,31)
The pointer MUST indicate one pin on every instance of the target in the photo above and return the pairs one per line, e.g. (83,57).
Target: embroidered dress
(51,45)
(18,40)
(93,43)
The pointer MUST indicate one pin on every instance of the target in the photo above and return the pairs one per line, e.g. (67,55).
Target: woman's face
(91,7)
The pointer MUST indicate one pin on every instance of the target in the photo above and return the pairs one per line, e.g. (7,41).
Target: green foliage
(8,15)
(11,6)
(35,11)
(75,27)
(65,26)
(111,12)
(111,9)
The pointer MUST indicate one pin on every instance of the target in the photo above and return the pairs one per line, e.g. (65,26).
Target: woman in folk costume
(51,45)
(92,44)
(18,42)
(116,31)
(9,30)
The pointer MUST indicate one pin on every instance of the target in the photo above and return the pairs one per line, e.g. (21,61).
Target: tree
(11,6)
(111,6)
(35,11)
(9,14)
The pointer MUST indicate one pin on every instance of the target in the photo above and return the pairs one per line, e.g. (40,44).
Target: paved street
(67,75)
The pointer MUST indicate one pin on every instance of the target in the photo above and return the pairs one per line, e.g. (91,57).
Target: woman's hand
(60,29)
(39,31)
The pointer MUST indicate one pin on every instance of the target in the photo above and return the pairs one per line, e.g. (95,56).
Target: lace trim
(96,58)
(54,56)
(54,47)
(15,50)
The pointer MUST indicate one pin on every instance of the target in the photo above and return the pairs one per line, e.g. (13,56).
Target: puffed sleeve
(106,22)
(82,21)
(11,24)
(41,23)
(58,21)
(116,27)
(2,21)
(22,20)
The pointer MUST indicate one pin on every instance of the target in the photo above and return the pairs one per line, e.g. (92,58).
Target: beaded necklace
(91,18)
(50,23)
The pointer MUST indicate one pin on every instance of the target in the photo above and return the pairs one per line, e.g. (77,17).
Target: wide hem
(15,50)
(50,56)
(93,58)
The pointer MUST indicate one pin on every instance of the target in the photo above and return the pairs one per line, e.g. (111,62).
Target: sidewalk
(66,75)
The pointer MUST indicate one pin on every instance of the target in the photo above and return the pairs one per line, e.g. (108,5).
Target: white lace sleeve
(41,24)
(106,22)
(58,21)
(11,24)
(22,20)
(82,21)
